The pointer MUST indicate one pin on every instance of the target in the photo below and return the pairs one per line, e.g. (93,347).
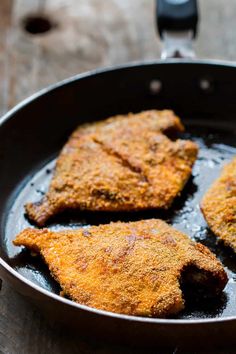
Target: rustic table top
(79,36)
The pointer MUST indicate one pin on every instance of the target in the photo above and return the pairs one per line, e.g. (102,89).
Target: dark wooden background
(84,34)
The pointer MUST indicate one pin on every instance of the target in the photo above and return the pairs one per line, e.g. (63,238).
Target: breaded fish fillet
(123,163)
(131,268)
(219,205)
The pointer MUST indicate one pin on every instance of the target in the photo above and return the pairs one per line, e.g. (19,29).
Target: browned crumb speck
(219,205)
(123,163)
(130,268)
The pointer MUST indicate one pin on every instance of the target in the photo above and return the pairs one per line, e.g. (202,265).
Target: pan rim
(104,70)
(50,88)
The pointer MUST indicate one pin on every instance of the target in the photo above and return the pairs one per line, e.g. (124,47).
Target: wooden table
(81,35)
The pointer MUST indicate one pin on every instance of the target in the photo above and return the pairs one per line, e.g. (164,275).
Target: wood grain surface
(85,34)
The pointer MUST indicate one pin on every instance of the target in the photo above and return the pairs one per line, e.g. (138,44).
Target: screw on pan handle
(177,15)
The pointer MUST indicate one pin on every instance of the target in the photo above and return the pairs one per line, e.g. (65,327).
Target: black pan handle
(177,15)
(177,24)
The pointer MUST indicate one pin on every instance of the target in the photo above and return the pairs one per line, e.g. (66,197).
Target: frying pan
(32,134)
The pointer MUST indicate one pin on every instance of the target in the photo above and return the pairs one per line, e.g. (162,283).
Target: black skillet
(32,134)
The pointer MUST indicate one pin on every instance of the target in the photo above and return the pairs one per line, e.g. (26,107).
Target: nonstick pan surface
(32,134)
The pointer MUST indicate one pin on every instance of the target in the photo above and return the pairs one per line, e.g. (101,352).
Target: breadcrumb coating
(131,268)
(124,163)
(219,205)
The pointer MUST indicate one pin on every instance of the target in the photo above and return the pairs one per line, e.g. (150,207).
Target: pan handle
(177,25)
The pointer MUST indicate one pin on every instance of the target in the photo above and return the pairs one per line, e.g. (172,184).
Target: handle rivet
(205,85)
(155,86)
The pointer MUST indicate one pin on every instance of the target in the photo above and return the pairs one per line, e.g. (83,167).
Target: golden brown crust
(131,268)
(120,164)
(164,121)
(219,205)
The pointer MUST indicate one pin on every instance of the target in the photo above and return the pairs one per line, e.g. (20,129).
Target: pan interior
(217,146)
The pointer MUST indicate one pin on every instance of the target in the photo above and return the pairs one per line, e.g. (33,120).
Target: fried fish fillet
(219,205)
(120,164)
(132,268)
